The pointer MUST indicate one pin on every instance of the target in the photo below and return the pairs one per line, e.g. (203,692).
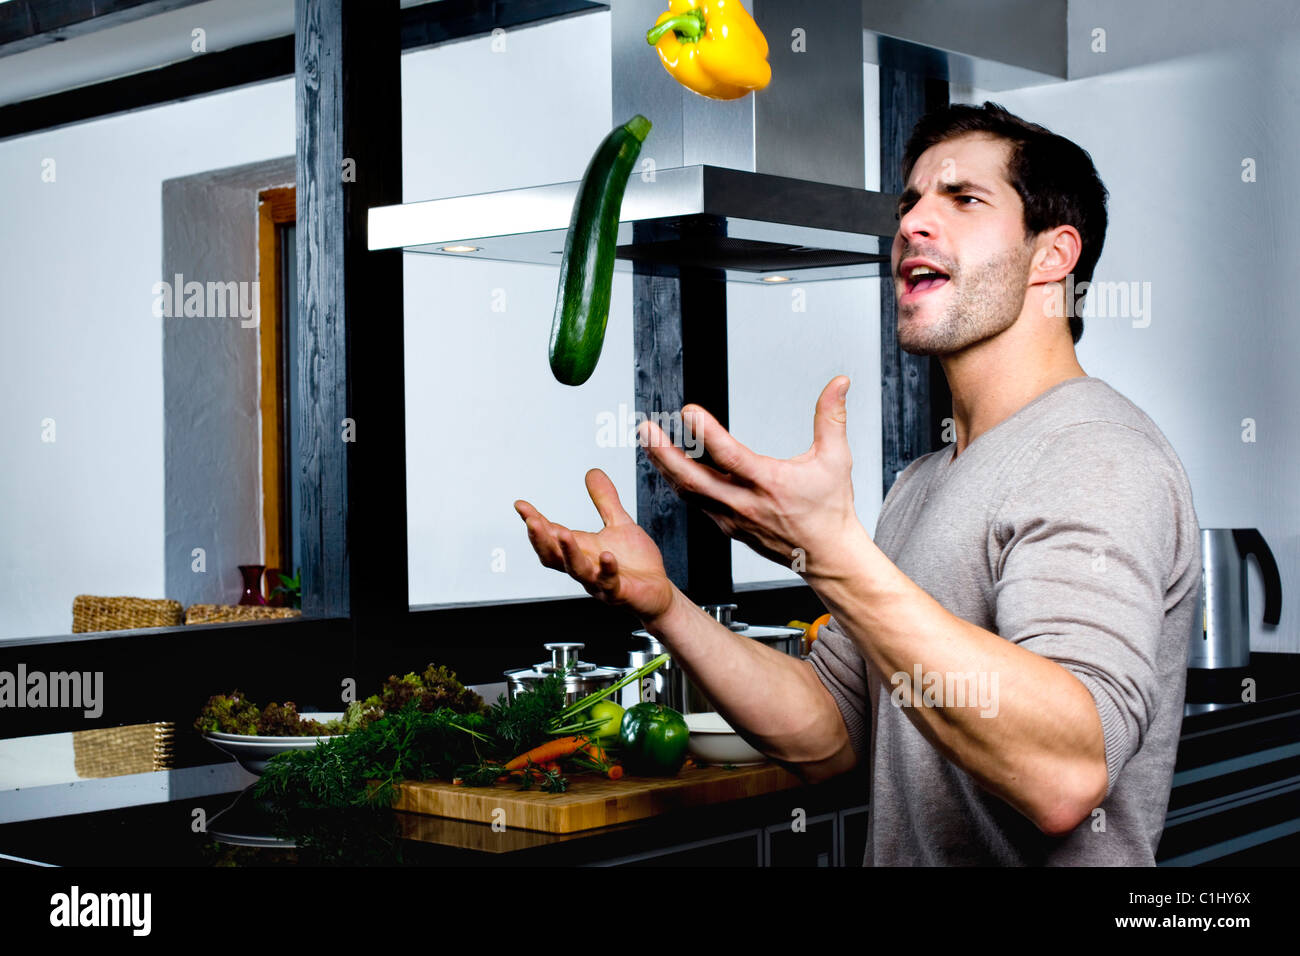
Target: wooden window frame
(275,208)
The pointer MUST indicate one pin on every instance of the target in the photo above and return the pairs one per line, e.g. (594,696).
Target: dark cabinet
(853,836)
(813,841)
(739,849)
(834,837)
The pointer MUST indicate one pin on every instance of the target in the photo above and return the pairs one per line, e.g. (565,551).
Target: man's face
(960,216)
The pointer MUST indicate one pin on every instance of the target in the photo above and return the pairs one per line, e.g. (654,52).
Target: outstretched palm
(620,564)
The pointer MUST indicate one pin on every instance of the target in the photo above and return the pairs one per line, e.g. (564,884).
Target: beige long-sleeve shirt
(1069,529)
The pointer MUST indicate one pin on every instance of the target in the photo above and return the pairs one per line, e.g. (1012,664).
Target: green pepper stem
(688,26)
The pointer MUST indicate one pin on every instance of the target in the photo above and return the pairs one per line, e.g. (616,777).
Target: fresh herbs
(337,773)
(476,748)
(525,722)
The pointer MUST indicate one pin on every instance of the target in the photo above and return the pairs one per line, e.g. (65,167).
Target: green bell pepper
(654,739)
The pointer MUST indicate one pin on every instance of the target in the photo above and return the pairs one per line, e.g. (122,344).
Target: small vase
(252,584)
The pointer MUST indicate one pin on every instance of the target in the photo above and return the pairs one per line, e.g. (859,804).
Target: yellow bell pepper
(712,47)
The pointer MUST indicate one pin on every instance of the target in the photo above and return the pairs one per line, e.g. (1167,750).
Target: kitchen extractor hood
(742,225)
(764,188)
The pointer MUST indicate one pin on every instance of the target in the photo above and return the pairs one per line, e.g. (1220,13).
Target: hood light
(461,248)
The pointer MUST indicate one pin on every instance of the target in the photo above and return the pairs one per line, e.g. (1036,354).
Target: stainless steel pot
(670,685)
(580,678)
(787,640)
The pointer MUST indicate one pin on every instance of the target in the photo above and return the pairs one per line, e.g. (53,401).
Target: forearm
(775,700)
(1035,738)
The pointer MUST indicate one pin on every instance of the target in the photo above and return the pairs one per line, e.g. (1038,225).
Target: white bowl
(253,752)
(714,741)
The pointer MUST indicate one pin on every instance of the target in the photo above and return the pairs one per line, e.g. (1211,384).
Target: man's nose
(919,220)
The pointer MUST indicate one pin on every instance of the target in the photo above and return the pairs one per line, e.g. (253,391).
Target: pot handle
(1250,541)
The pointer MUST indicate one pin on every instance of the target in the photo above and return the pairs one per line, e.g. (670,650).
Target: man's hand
(619,564)
(793,512)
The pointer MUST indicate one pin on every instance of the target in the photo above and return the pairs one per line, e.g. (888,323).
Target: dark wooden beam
(680,334)
(27,24)
(374,303)
(351,401)
(914,393)
(206,73)
(704,383)
(272,59)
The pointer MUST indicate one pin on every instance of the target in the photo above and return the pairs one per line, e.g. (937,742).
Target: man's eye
(973,198)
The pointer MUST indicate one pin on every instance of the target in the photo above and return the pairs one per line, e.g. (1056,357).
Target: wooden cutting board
(591,801)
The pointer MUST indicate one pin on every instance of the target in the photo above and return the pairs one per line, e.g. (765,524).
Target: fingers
(830,429)
(559,549)
(541,535)
(608,571)
(578,564)
(730,455)
(693,481)
(605,497)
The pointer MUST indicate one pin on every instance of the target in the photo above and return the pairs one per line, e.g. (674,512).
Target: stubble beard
(987,302)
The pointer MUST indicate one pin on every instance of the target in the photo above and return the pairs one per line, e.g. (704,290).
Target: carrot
(553,750)
(521,774)
(615,772)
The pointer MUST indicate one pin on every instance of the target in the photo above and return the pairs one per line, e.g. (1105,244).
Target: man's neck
(988,388)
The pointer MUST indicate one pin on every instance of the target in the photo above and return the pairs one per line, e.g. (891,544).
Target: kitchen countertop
(162,834)
(1236,798)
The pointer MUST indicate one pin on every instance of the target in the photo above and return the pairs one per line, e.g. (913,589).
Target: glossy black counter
(1235,800)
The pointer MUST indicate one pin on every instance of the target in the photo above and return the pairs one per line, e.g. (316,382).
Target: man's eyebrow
(911,194)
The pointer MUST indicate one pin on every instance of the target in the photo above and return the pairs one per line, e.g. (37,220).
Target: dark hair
(1055,178)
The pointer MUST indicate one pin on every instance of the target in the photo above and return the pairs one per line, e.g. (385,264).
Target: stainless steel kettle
(1221,640)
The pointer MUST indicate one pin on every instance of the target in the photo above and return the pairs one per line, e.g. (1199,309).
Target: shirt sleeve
(1084,544)
(839,666)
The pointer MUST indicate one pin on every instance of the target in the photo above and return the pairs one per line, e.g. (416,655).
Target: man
(1009,653)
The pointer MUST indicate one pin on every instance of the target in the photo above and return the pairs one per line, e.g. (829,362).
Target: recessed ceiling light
(460,248)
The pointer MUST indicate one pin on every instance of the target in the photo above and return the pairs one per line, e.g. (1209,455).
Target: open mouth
(915,286)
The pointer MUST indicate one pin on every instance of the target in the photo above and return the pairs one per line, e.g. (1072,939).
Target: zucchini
(587,267)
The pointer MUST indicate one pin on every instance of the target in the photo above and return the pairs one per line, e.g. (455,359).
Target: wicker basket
(218,613)
(92,613)
(114,751)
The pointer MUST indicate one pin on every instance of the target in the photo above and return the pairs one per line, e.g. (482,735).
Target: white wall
(1168,140)
(79,257)
(486,422)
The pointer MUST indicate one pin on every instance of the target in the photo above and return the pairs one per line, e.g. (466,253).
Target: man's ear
(1057,251)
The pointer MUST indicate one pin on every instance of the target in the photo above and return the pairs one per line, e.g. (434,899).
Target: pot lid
(722,613)
(564,660)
